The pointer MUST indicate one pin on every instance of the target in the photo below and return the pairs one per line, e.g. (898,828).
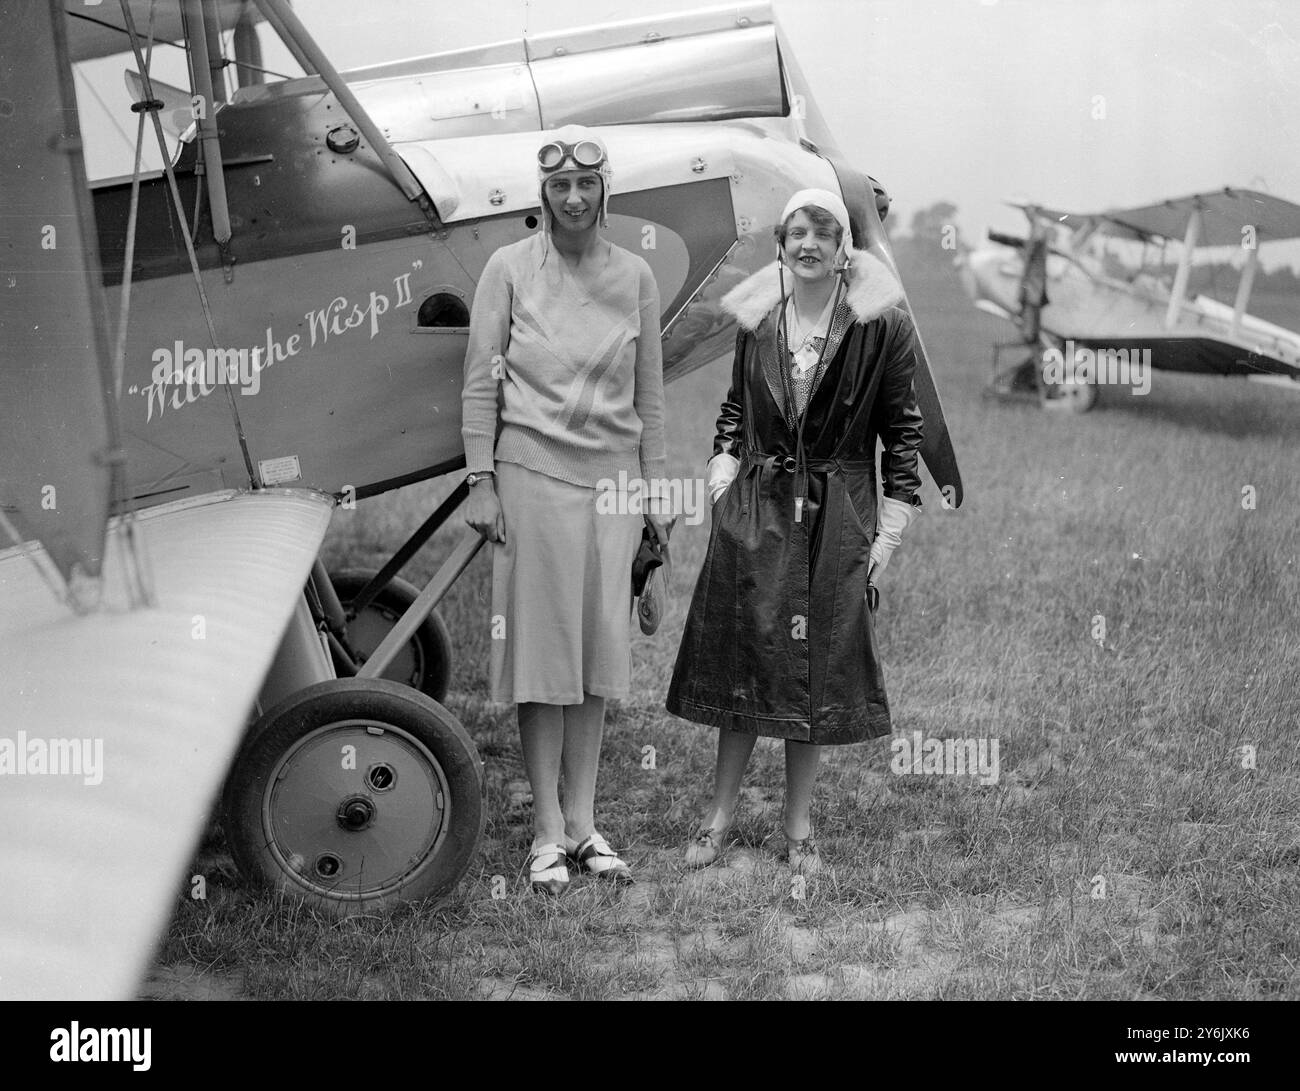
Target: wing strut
(1244,287)
(201,75)
(280,15)
(272,16)
(151,106)
(1033,283)
(1184,269)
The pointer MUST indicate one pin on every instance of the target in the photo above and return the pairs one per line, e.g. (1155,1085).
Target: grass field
(1128,849)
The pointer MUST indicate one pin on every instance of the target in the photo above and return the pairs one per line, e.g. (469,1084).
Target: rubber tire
(399,706)
(432,636)
(1080,398)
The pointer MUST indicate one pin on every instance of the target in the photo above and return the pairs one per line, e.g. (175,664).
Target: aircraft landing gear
(1017,380)
(424,662)
(1071,395)
(361,791)
(355,794)
(360,612)
(1071,392)
(1023,380)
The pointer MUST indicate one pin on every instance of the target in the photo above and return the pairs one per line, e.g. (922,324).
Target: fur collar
(872,290)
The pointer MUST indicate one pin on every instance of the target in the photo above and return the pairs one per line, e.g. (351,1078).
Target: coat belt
(766,463)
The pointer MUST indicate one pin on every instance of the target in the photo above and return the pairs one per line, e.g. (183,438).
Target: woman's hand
(722,472)
(661,526)
(483,511)
(894,518)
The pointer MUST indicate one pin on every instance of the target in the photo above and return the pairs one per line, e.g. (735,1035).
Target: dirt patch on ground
(185,981)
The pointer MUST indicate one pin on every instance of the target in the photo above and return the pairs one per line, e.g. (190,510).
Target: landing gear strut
(361,791)
(1024,379)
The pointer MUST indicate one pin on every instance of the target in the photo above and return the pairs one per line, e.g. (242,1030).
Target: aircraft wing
(1224,213)
(92,862)
(1075,220)
(98,29)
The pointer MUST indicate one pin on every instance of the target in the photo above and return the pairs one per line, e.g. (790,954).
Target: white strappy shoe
(595,857)
(548,869)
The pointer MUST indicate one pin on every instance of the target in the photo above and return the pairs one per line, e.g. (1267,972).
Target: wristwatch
(473,479)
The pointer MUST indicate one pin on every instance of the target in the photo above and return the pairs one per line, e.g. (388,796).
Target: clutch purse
(649,556)
(649,585)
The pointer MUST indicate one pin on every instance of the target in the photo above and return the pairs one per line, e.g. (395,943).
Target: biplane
(1094,300)
(200,363)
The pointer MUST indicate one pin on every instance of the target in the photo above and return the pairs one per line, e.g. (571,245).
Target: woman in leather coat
(779,640)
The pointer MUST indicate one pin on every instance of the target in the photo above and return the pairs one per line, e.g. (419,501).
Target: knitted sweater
(581,379)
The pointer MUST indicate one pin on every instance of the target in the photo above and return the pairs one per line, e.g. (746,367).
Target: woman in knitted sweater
(563,390)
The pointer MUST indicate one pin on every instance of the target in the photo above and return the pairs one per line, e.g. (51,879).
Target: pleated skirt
(561,591)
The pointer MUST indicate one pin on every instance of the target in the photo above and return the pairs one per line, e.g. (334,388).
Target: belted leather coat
(779,640)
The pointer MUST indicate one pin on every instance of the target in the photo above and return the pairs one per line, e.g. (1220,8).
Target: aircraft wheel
(1016,381)
(1070,396)
(425,662)
(356,794)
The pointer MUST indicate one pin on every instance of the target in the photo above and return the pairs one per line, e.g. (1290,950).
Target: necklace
(805,336)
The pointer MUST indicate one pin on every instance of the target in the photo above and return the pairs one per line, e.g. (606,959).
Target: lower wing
(117,729)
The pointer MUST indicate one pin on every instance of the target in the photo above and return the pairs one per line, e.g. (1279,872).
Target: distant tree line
(928,224)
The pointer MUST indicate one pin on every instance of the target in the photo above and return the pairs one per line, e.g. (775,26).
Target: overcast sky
(965,100)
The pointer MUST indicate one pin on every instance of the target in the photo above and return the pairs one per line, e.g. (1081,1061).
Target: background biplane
(1099,280)
(200,363)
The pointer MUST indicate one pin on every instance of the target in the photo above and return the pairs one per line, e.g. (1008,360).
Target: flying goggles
(586,154)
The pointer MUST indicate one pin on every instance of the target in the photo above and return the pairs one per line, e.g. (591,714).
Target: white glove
(894,518)
(722,472)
